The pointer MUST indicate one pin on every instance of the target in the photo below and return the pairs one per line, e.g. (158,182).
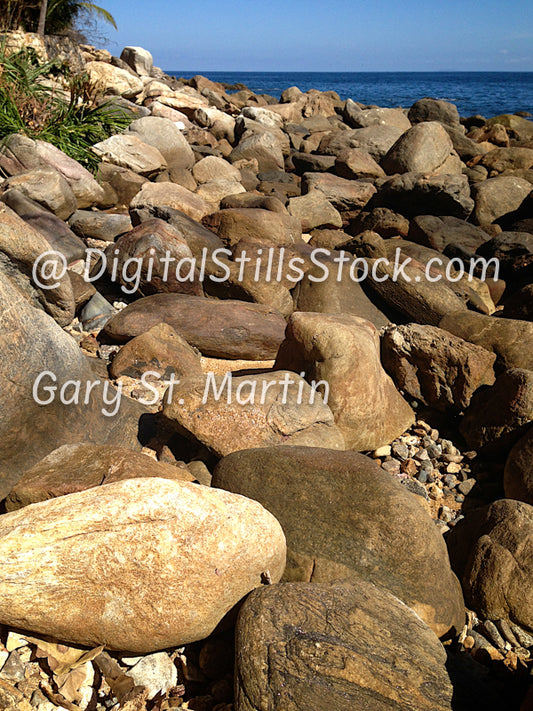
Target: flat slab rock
(219,329)
(137,565)
(341,648)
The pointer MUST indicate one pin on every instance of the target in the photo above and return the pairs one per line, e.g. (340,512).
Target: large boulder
(419,194)
(344,518)
(163,134)
(496,197)
(500,159)
(314,210)
(375,140)
(441,232)
(518,473)
(228,413)
(354,163)
(157,563)
(424,148)
(264,147)
(77,467)
(513,252)
(435,367)
(341,193)
(21,248)
(356,117)
(114,80)
(39,362)
(139,59)
(511,340)
(498,416)
(274,228)
(498,579)
(212,168)
(20,153)
(428,109)
(128,151)
(341,647)
(220,329)
(47,187)
(342,352)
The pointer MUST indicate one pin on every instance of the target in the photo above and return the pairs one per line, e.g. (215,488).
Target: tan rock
(156,563)
(230,413)
(173,196)
(314,210)
(213,168)
(128,151)
(343,351)
(114,80)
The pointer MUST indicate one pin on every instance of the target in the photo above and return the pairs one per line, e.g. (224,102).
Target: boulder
(264,147)
(178,557)
(498,580)
(339,647)
(518,473)
(212,168)
(99,225)
(165,136)
(341,352)
(513,251)
(215,191)
(511,340)
(441,232)
(498,416)
(228,413)
(47,187)
(428,109)
(357,117)
(113,80)
(520,126)
(38,361)
(220,329)
(329,295)
(314,210)
(497,197)
(419,194)
(21,247)
(431,365)
(20,153)
(78,467)
(424,148)
(159,350)
(174,196)
(124,183)
(410,292)
(353,163)
(375,530)
(500,159)
(139,59)
(375,140)
(58,236)
(128,151)
(274,228)
(341,193)
(152,258)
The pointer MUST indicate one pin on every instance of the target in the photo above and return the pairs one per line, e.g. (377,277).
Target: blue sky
(339,35)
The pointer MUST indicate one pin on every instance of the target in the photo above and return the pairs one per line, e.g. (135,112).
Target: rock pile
(270,399)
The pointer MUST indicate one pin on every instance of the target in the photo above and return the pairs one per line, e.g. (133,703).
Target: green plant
(73,120)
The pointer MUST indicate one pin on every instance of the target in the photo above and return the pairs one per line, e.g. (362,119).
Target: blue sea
(485,93)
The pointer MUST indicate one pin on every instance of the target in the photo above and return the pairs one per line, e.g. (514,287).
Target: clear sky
(339,35)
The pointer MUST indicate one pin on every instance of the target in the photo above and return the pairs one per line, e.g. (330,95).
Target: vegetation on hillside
(73,119)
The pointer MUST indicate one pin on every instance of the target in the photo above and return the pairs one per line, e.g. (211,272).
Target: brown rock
(331,647)
(173,196)
(342,351)
(158,563)
(160,350)
(375,531)
(342,194)
(277,228)
(227,413)
(353,163)
(496,197)
(77,467)
(128,151)
(518,473)
(314,210)
(424,148)
(433,366)
(47,187)
(499,573)
(222,329)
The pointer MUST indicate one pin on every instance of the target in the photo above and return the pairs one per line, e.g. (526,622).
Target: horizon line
(352,71)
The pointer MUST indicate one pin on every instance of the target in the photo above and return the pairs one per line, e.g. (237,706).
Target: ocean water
(485,93)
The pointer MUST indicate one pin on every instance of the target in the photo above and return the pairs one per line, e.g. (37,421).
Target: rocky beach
(266,414)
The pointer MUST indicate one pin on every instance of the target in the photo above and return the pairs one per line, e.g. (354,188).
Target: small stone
(13,669)
(469,642)
(450,480)
(452,458)
(422,455)
(525,638)
(157,672)
(400,450)
(392,466)
(415,487)
(491,631)
(434,451)
(453,468)
(465,487)
(423,425)
(15,641)
(446,514)
(434,434)
(470,455)
(422,476)
(459,498)
(384,451)
(409,466)
(434,491)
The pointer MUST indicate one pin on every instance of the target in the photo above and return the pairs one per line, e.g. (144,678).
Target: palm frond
(97,10)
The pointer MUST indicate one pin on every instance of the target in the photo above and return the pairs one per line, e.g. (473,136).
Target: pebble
(491,631)
(157,672)
(409,466)
(446,514)
(450,480)
(453,468)
(13,669)
(422,455)
(384,451)
(400,450)
(422,476)
(434,451)
(465,487)
(392,466)
(434,491)
(460,498)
